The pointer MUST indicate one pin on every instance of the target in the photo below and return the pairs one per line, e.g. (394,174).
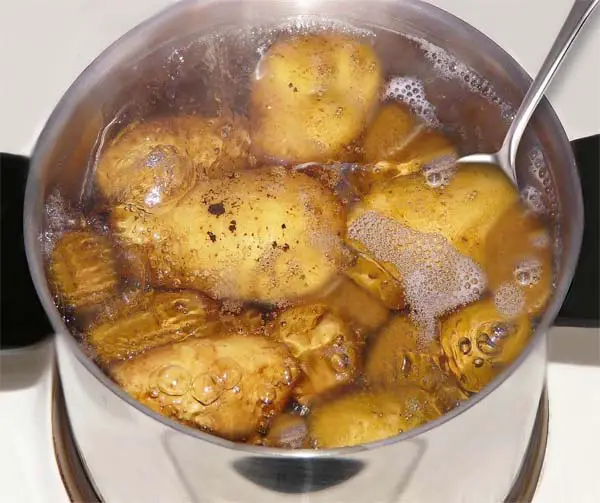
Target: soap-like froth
(411,92)
(436,278)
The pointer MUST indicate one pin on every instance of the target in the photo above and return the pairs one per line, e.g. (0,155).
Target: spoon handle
(580,12)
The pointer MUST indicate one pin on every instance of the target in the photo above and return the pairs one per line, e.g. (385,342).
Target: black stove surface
(23,321)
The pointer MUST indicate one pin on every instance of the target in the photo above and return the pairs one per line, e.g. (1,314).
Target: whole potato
(366,416)
(83,270)
(518,252)
(159,160)
(230,386)
(480,341)
(264,235)
(151,319)
(463,212)
(312,96)
(325,346)
(399,356)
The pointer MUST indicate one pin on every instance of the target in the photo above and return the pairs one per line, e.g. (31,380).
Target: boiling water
(175,295)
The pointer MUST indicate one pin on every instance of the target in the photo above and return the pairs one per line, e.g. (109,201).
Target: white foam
(411,92)
(436,278)
(448,67)
(534,200)
(509,299)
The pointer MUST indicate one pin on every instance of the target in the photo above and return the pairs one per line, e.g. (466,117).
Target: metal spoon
(505,158)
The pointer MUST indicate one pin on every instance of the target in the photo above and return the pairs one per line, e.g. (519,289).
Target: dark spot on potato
(212,236)
(232,226)
(283,226)
(274,244)
(216,209)
(285,247)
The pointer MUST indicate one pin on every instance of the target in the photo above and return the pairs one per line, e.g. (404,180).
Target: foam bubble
(411,92)
(509,299)
(534,200)
(537,165)
(59,217)
(528,272)
(440,171)
(448,67)
(436,278)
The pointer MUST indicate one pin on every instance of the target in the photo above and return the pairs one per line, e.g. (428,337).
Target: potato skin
(479,342)
(83,270)
(263,235)
(312,96)
(151,319)
(398,356)
(464,212)
(396,142)
(353,303)
(159,160)
(364,417)
(518,252)
(228,386)
(374,278)
(325,346)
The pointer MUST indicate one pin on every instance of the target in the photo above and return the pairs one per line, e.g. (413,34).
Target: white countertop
(45,44)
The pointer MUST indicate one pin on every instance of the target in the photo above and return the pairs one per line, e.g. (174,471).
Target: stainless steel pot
(132,454)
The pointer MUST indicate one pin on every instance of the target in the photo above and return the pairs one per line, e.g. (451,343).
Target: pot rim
(61,114)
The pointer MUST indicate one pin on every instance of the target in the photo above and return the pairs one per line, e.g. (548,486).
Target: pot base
(81,489)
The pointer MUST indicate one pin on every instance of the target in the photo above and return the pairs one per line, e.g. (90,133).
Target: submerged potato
(464,212)
(518,252)
(324,345)
(150,320)
(370,416)
(398,144)
(354,303)
(479,342)
(400,356)
(228,386)
(374,278)
(286,431)
(159,160)
(264,235)
(312,96)
(83,270)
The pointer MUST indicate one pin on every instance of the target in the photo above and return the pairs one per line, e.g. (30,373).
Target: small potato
(400,356)
(228,386)
(518,252)
(157,161)
(323,344)
(264,235)
(374,278)
(83,270)
(398,144)
(150,320)
(479,342)
(464,212)
(370,416)
(287,431)
(312,96)
(353,303)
